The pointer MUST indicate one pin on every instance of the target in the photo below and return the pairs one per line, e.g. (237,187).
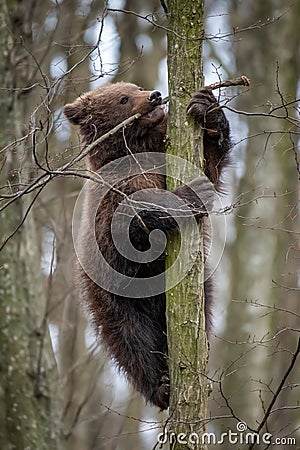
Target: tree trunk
(27,364)
(188,351)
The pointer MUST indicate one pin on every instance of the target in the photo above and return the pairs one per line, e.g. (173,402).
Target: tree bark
(187,341)
(27,364)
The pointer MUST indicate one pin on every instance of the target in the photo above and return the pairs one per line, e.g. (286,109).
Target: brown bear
(131,320)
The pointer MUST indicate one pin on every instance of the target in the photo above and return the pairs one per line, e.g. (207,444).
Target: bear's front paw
(201,102)
(205,109)
(199,194)
(161,393)
(205,191)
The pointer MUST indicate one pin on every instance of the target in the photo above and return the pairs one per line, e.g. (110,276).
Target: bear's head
(100,110)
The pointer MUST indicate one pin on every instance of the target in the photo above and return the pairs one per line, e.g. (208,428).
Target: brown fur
(133,330)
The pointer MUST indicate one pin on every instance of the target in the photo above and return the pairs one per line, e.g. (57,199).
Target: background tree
(27,367)
(260,333)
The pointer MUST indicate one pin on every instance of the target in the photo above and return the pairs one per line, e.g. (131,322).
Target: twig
(240,81)
(153,22)
(45,177)
(101,139)
(278,390)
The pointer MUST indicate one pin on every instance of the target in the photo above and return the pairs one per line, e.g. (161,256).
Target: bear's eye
(124,100)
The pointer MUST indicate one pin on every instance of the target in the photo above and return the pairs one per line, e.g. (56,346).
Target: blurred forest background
(57,388)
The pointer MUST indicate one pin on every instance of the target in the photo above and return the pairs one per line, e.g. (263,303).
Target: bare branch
(278,390)
(240,81)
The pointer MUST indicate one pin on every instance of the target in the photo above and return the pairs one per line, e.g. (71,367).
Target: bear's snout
(155,98)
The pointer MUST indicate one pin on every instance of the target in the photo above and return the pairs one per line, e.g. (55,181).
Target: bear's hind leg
(138,343)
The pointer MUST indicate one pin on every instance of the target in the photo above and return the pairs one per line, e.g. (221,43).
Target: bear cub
(133,327)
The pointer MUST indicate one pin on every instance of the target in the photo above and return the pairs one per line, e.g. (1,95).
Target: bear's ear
(75,112)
